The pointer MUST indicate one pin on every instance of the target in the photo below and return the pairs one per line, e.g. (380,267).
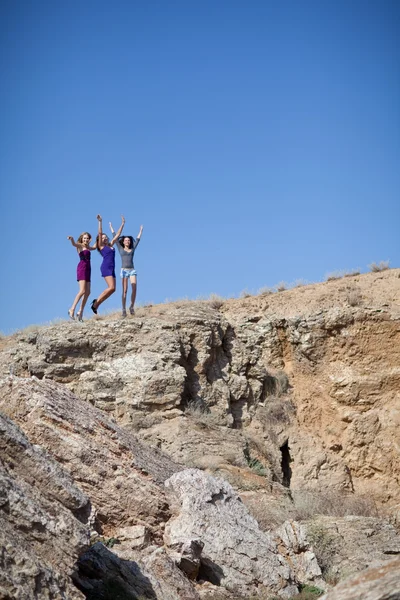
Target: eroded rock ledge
(274,396)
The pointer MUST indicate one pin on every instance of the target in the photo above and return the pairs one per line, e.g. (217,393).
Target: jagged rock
(169,581)
(43,521)
(292,542)
(118,472)
(45,507)
(377,583)
(236,554)
(342,362)
(278,394)
(348,545)
(102,575)
(135,536)
(187,556)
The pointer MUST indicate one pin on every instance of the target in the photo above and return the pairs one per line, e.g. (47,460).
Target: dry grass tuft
(383,265)
(265,291)
(306,505)
(281,286)
(354,297)
(300,283)
(199,411)
(335,504)
(216,301)
(276,412)
(334,275)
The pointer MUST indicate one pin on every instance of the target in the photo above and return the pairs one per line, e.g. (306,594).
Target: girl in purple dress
(106,249)
(83,270)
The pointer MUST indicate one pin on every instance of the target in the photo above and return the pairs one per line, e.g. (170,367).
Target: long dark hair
(121,240)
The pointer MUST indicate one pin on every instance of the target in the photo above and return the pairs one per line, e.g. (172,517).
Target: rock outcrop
(91,480)
(348,545)
(69,476)
(377,583)
(43,521)
(112,430)
(303,381)
(232,551)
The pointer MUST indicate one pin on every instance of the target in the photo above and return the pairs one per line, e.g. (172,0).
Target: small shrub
(199,411)
(308,592)
(257,466)
(354,297)
(216,301)
(245,294)
(334,275)
(352,273)
(276,412)
(265,291)
(383,265)
(197,407)
(300,283)
(282,286)
(324,545)
(254,464)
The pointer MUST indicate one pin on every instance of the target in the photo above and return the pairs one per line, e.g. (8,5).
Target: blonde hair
(80,238)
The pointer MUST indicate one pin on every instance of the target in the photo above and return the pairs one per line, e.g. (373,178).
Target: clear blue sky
(256,141)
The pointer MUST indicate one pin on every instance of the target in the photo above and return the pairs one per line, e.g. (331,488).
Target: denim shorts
(125,273)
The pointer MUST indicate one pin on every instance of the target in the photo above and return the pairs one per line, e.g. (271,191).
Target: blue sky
(256,141)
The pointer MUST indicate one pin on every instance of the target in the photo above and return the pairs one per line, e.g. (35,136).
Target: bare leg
(133,295)
(124,293)
(84,300)
(77,298)
(110,281)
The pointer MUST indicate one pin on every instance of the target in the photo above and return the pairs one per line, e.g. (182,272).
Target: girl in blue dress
(107,269)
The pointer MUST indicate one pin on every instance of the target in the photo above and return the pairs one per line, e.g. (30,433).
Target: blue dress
(108,265)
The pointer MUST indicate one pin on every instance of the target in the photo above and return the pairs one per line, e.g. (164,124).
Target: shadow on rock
(210,571)
(101,575)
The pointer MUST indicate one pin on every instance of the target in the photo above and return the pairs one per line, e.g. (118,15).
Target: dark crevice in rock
(227,342)
(285,464)
(210,571)
(101,575)
(191,389)
(216,497)
(236,408)
(83,512)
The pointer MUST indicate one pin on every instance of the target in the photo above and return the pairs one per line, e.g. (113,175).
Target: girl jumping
(105,247)
(126,247)
(83,271)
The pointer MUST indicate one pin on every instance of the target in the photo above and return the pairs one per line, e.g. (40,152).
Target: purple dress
(83,270)
(108,265)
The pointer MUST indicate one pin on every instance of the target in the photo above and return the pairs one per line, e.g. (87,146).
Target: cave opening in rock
(285,464)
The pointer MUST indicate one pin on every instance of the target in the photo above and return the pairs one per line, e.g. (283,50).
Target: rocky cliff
(184,437)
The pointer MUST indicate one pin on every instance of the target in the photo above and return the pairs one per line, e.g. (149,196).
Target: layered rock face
(81,478)
(109,424)
(301,381)
(376,583)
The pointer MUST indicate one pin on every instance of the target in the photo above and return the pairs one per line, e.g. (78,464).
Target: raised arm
(116,235)
(100,229)
(71,239)
(139,235)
